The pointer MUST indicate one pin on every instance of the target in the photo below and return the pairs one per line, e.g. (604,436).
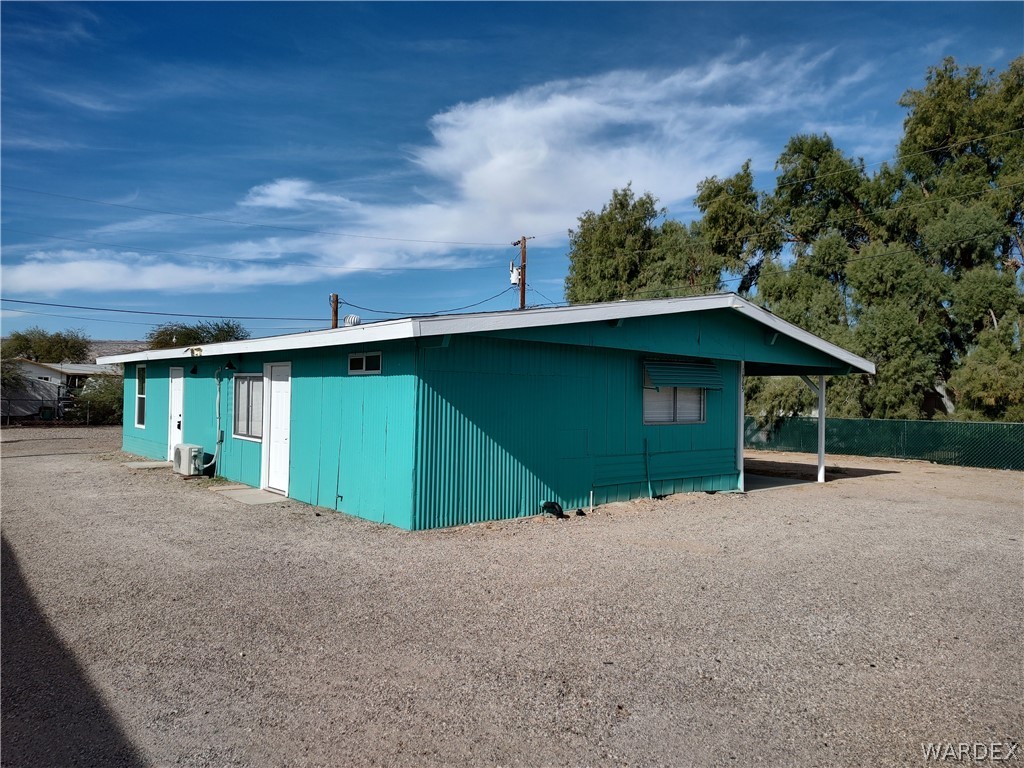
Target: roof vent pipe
(351,320)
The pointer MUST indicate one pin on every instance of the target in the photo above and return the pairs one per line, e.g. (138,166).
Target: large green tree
(917,266)
(623,252)
(47,347)
(171,335)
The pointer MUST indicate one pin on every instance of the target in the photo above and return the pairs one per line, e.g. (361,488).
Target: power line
(894,159)
(542,295)
(456,309)
(427,314)
(243,317)
(853,258)
(149,325)
(272,262)
(236,222)
(877,212)
(161,314)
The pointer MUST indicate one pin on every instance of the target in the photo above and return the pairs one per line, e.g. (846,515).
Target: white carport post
(739,430)
(819,390)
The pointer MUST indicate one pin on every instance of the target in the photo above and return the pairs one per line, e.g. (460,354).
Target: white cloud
(99,270)
(291,193)
(528,162)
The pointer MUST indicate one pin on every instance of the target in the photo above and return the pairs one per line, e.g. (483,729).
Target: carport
(840,362)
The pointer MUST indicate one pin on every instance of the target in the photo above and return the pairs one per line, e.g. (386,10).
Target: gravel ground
(149,621)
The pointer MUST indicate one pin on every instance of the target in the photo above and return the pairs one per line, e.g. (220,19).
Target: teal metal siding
(149,441)
(505,425)
(352,437)
(721,334)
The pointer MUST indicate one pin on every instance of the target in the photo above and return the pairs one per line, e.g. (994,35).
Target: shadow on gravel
(51,714)
(809,472)
(37,439)
(10,456)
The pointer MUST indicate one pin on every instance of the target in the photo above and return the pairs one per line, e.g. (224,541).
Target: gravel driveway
(150,621)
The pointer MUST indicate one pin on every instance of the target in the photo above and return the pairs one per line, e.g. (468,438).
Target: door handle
(179,424)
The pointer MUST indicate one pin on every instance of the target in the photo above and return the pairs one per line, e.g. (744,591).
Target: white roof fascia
(389,330)
(414,327)
(332,337)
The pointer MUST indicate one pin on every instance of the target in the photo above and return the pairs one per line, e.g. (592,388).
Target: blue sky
(392,152)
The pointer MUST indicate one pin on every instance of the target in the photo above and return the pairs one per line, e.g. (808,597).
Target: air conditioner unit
(188,459)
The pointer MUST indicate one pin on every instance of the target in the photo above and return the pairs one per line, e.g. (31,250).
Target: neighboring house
(435,421)
(72,376)
(48,388)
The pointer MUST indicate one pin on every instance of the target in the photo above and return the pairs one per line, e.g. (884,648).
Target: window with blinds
(674,405)
(248,407)
(675,390)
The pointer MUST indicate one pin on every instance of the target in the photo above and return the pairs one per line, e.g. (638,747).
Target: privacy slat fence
(966,444)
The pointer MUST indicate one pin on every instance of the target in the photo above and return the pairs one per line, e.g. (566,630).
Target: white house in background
(69,375)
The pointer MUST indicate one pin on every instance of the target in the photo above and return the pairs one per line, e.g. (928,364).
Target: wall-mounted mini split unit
(188,459)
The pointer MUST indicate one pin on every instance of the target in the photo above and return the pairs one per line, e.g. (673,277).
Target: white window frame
(234,406)
(362,356)
(140,396)
(675,407)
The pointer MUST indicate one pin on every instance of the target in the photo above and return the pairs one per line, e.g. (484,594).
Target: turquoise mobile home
(426,422)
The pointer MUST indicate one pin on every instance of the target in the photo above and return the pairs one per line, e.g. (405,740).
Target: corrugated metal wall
(151,440)
(505,425)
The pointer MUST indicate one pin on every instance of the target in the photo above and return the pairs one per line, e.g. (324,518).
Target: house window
(140,396)
(364,363)
(674,405)
(248,407)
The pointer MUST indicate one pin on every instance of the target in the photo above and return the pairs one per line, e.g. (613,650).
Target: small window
(364,363)
(140,396)
(673,405)
(248,407)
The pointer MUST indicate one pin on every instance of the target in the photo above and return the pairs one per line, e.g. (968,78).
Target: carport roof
(482,322)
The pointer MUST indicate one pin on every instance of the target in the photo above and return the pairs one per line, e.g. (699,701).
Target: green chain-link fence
(966,444)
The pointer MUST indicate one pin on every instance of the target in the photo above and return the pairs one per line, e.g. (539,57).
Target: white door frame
(268,423)
(171,417)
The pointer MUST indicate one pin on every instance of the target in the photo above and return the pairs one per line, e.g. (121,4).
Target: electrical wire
(714,283)
(272,262)
(150,325)
(817,177)
(161,314)
(426,314)
(875,213)
(549,301)
(894,159)
(245,317)
(241,223)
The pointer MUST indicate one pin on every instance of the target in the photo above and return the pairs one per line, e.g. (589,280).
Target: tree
(909,267)
(917,266)
(171,335)
(988,383)
(738,224)
(622,253)
(608,250)
(102,399)
(42,346)
(12,376)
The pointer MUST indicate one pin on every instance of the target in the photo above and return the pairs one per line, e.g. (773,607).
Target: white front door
(277,421)
(175,410)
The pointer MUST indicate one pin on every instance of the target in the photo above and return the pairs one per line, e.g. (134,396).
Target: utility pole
(334,310)
(521,242)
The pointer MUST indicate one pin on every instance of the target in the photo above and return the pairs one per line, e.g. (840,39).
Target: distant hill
(102,348)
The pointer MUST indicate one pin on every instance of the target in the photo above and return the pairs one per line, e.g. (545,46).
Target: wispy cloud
(90,102)
(55,26)
(525,162)
(291,193)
